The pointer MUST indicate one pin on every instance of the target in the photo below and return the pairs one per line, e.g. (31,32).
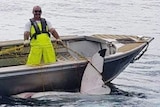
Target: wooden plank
(129,47)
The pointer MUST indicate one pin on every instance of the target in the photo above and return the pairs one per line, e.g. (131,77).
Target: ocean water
(137,86)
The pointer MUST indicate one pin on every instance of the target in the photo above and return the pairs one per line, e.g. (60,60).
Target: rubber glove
(26,42)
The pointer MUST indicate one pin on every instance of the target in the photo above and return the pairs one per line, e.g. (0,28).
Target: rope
(82,57)
(138,57)
(42,78)
(11,49)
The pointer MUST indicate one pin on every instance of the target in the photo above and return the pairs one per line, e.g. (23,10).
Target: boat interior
(74,48)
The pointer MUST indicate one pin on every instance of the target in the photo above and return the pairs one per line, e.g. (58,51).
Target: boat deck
(18,54)
(65,56)
(125,42)
(128,47)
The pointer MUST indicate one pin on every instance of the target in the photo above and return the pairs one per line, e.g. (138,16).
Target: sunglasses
(37,11)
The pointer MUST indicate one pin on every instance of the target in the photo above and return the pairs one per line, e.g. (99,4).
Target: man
(38,30)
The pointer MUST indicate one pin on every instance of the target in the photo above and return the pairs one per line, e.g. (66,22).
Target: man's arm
(26,35)
(26,38)
(54,33)
(27,30)
(52,30)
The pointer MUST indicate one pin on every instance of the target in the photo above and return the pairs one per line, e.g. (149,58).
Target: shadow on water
(117,91)
(10,101)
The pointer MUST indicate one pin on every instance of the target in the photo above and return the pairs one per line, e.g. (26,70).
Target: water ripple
(138,85)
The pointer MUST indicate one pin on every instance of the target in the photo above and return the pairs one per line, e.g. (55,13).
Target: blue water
(137,86)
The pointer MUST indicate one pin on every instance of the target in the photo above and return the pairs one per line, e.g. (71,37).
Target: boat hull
(65,78)
(62,78)
(66,74)
(113,67)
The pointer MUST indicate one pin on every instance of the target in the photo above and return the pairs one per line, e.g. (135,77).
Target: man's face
(37,12)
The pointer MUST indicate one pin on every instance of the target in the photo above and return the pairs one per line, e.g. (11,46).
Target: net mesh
(13,55)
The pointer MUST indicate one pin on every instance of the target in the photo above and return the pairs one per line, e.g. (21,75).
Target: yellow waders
(41,49)
(41,53)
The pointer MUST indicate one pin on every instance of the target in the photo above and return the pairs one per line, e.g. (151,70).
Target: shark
(91,83)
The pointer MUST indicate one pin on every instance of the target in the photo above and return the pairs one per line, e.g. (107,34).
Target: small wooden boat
(72,58)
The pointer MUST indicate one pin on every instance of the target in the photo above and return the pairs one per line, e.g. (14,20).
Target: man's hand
(59,41)
(26,43)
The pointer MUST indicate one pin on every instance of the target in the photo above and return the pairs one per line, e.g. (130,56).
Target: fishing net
(13,55)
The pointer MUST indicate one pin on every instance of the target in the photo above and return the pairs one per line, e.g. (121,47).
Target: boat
(72,58)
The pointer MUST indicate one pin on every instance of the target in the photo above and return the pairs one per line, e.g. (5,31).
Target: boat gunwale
(25,68)
(20,41)
(119,55)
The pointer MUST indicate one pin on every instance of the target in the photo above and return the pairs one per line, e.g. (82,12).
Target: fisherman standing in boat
(38,31)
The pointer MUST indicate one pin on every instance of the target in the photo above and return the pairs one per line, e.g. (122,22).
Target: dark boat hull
(113,67)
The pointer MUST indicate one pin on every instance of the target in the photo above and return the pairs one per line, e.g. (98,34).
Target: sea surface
(137,86)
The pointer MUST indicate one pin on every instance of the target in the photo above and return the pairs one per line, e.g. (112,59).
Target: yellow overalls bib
(41,48)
